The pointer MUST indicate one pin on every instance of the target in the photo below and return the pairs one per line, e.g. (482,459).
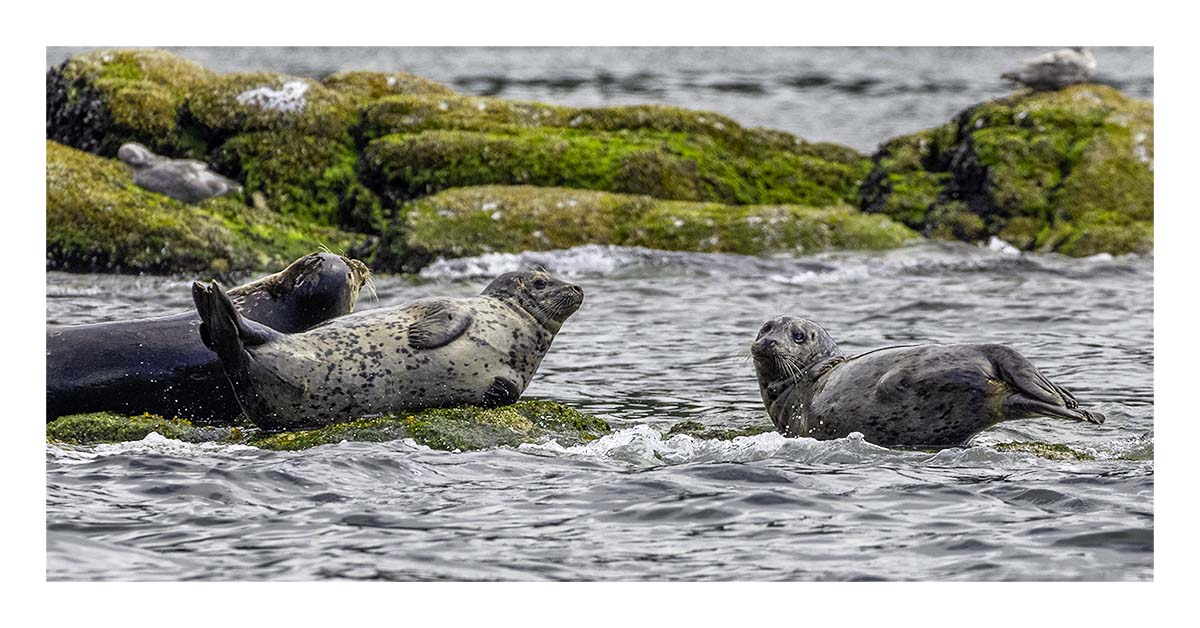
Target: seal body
(1055,70)
(926,396)
(186,180)
(436,352)
(159,365)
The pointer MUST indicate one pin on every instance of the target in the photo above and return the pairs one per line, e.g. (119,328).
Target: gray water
(661,338)
(854,96)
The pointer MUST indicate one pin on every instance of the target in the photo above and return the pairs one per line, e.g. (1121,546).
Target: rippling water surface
(662,338)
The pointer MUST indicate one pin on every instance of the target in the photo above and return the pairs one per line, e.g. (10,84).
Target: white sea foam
(153,443)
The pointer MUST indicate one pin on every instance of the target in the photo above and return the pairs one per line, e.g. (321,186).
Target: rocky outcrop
(98,220)
(1070,171)
(451,429)
(508,219)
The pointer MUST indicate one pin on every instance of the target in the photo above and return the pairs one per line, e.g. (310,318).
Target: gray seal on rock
(158,365)
(917,396)
(434,352)
(186,180)
(1055,70)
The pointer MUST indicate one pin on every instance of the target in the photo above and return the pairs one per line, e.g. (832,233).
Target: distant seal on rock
(435,352)
(922,396)
(186,180)
(159,365)
(1055,70)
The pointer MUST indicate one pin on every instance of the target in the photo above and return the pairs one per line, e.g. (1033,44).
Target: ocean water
(662,338)
(851,95)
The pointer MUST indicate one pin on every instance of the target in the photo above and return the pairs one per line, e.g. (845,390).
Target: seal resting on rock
(435,352)
(158,365)
(924,396)
(186,180)
(1055,70)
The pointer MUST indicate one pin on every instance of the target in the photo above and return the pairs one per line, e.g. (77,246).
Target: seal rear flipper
(1019,373)
(223,329)
(1019,406)
(438,325)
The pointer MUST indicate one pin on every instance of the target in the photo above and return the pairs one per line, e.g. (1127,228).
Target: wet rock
(452,429)
(473,221)
(98,220)
(1070,171)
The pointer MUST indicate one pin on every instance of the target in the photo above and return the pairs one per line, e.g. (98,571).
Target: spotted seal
(435,352)
(186,180)
(159,365)
(918,396)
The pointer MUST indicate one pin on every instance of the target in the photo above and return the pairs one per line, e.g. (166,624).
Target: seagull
(186,180)
(1055,70)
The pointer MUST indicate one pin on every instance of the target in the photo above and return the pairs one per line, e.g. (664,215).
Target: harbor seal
(917,396)
(158,365)
(186,180)
(434,352)
(1055,70)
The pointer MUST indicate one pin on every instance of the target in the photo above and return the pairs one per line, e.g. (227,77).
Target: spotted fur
(435,352)
(926,396)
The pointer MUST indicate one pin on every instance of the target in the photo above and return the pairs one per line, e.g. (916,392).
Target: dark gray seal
(159,365)
(436,352)
(923,397)
(1055,70)
(186,180)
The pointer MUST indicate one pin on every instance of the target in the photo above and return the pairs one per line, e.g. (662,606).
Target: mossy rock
(375,85)
(107,427)
(264,101)
(664,164)
(98,220)
(99,100)
(416,113)
(1049,451)
(696,429)
(451,429)
(1068,171)
(455,429)
(508,219)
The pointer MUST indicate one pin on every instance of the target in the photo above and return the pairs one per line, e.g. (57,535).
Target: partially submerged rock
(1070,171)
(489,219)
(1049,451)
(450,429)
(695,429)
(98,220)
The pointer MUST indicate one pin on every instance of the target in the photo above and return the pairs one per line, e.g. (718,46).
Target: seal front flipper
(502,392)
(438,325)
(223,329)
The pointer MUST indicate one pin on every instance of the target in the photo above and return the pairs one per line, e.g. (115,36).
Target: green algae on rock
(455,429)
(663,164)
(107,427)
(1070,171)
(1049,451)
(374,85)
(696,429)
(490,219)
(99,100)
(98,220)
(451,429)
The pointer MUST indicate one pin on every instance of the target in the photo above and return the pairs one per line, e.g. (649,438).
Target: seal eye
(539,284)
(798,337)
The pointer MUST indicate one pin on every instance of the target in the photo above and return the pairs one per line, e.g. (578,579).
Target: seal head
(550,301)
